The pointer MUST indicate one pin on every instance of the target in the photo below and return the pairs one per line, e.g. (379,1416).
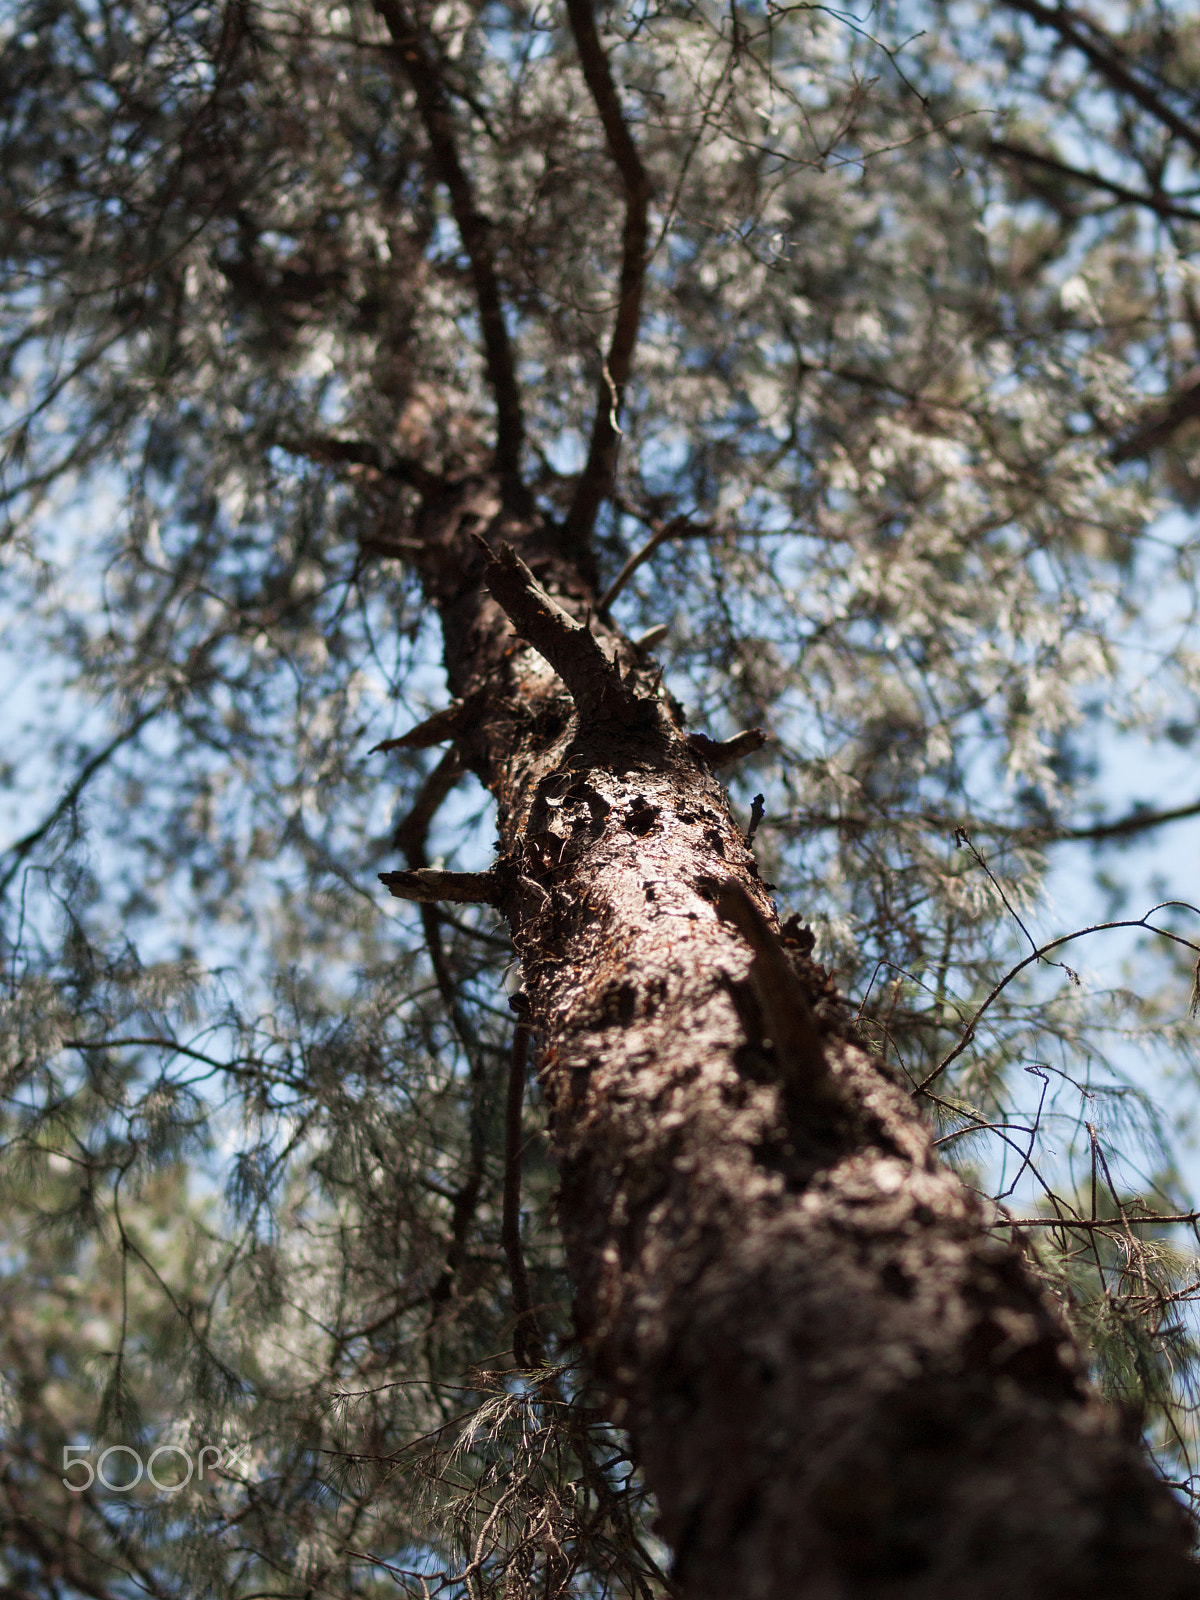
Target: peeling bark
(837,1384)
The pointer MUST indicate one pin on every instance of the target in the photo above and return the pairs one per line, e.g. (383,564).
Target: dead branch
(427,885)
(720,752)
(442,725)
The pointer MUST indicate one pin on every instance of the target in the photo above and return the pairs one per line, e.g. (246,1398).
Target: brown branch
(569,646)
(677,528)
(361,453)
(527,1339)
(1161,205)
(721,752)
(1139,820)
(406,550)
(651,637)
(596,482)
(420,66)
(411,837)
(442,725)
(428,885)
(412,833)
(1103,53)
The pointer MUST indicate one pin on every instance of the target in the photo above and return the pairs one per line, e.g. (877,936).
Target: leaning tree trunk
(837,1384)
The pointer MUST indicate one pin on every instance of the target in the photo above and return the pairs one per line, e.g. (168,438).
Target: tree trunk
(836,1383)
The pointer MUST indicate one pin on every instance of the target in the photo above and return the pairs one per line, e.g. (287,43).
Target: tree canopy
(859,352)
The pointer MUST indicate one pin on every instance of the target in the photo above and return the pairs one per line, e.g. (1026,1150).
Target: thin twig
(677,528)
(1039,955)
(1161,205)
(69,799)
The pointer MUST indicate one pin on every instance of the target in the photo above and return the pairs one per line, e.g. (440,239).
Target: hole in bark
(896,1281)
(641,816)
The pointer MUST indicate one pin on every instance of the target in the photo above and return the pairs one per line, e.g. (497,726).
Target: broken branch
(720,752)
(437,729)
(427,885)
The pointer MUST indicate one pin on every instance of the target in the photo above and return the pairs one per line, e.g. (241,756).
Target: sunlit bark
(837,1383)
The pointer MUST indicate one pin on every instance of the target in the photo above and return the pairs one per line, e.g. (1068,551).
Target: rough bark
(837,1383)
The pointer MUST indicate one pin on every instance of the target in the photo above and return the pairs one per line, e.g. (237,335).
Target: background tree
(866,337)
